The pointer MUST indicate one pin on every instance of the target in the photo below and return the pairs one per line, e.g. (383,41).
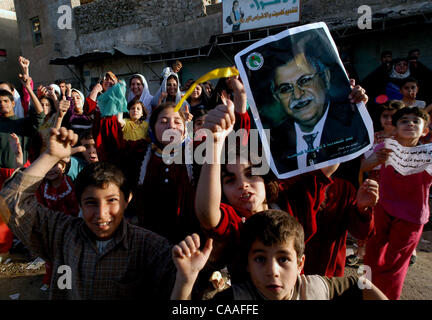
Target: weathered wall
(106,14)
(56,42)
(9,33)
(150,29)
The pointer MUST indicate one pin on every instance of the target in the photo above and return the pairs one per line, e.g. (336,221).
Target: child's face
(45,105)
(103,209)
(107,83)
(386,119)
(199,123)
(274,269)
(176,68)
(136,87)
(90,154)
(401,67)
(409,90)
(168,119)
(136,112)
(55,172)
(171,87)
(77,102)
(6,107)
(410,127)
(196,93)
(244,191)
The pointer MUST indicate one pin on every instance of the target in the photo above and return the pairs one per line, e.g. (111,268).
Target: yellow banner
(215,74)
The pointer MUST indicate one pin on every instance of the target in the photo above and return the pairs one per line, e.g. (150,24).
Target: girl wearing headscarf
(169,91)
(107,109)
(138,89)
(75,117)
(399,71)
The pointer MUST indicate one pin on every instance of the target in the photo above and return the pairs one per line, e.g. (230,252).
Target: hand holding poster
(297,87)
(408,160)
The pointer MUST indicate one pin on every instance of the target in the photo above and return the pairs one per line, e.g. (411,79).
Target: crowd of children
(104,185)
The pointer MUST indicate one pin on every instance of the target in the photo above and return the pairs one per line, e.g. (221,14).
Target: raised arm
(189,261)
(26,81)
(16,147)
(64,106)
(220,122)
(240,99)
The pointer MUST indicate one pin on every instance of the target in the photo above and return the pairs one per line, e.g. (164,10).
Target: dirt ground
(16,279)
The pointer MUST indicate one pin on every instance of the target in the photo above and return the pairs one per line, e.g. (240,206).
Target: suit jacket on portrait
(344,133)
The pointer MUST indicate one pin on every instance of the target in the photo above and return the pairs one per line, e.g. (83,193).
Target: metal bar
(225,55)
(77,77)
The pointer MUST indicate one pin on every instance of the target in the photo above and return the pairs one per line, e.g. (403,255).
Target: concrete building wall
(147,25)
(8,41)
(56,42)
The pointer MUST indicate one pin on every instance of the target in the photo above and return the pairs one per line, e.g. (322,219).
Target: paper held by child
(408,160)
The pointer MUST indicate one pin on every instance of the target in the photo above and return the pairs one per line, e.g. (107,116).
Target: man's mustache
(297,104)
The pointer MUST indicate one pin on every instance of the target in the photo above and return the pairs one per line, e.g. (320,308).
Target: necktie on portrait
(311,155)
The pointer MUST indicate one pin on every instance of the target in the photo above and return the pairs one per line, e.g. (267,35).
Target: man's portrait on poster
(301,94)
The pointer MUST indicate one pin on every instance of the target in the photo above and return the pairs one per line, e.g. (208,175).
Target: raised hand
(358,94)
(367,194)
(187,113)
(189,259)
(52,93)
(24,64)
(61,143)
(42,92)
(68,90)
(15,144)
(64,106)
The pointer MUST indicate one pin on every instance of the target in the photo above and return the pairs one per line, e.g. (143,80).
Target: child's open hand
(367,194)
(15,144)
(61,143)
(188,258)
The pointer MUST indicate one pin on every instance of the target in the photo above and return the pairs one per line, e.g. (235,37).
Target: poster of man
(298,89)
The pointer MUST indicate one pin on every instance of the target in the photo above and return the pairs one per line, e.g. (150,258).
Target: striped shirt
(137,263)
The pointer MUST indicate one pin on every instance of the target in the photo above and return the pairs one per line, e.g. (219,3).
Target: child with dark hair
(107,257)
(24,128)
(57,192)
(166,191)
(107,103)
(228,194)
(271,251)
(135,135)
(409,90)
(81,160)
(387,130)
(402,209)
(198,99)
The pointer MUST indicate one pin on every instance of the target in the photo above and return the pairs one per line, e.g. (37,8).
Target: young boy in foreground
(272,245)
(107,258)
